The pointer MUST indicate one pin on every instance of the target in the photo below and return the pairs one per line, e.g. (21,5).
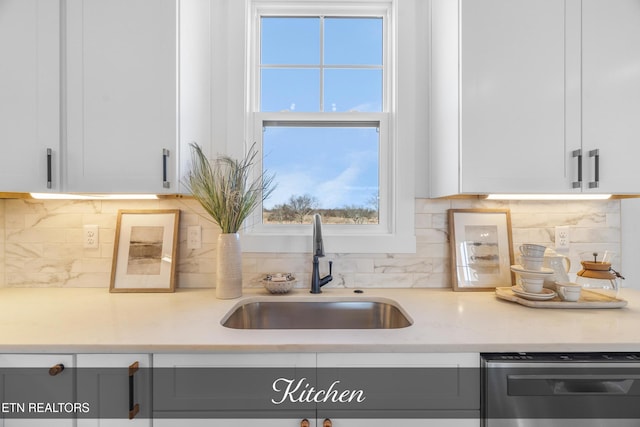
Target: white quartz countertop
(96,321)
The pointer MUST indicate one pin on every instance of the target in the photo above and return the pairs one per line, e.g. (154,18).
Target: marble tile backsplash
(41,243)
(2,275)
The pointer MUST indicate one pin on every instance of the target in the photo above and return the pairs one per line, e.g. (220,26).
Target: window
(339,178)
(321,64)
(321,94)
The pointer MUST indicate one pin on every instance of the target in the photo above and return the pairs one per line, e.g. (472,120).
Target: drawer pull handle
(578,183)
(165,155)
(56,369)
(596,171)
(49,154)
(134,408)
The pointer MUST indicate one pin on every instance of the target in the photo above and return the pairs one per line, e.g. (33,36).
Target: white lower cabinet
(409,422)
(317,423)
(118,386)
(447,395)
(187,393)
(222,422)
(30,380)
(74,387)
(236,389)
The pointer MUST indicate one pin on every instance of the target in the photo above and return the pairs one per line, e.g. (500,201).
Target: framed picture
(144,253)
(481,249)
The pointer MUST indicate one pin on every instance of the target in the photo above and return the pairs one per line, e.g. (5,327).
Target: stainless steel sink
(316,315)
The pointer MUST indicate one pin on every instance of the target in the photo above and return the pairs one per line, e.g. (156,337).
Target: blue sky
(338,166)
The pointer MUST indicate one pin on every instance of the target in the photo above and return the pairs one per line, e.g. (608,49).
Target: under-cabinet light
(63,196)
(548,196)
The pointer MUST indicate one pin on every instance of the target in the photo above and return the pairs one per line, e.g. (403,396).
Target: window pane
(353,90)
(353,41)
(331,170)
(292,41)
(290,90)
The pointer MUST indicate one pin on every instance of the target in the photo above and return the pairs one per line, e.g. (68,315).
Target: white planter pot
(229,267)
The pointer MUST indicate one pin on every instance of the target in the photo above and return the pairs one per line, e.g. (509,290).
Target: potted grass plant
(229,191)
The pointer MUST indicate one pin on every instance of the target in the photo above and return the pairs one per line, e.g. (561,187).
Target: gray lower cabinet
(281,389)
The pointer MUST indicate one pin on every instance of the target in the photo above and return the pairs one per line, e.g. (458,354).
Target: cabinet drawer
(227,385)
(403,382)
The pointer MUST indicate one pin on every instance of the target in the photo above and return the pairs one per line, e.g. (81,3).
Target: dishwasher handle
(568,385)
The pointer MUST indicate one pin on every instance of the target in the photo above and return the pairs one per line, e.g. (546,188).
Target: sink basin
(352,314)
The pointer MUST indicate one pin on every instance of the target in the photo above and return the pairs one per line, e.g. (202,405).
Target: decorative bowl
(279,283)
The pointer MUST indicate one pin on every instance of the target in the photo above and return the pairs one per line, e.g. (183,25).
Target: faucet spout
(318,245)
(318,251)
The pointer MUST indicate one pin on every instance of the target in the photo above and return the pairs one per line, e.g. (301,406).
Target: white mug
(531,263)
(569,291)
(532,250)
(533,286)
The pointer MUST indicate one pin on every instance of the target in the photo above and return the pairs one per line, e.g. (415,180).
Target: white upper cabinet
(29,95)
(498,91)
(519,86)
(611,94)
(122,96)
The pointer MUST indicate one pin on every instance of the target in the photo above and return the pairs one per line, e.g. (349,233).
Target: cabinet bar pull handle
(596,183)
(327,423)
(49,154)
(134,408)
(578,183)
(304,423)
(165,154)
(56,369)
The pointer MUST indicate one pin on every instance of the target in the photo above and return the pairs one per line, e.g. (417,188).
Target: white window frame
(395,231)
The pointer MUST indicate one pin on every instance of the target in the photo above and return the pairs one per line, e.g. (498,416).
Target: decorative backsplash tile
(41,243)
(2,221)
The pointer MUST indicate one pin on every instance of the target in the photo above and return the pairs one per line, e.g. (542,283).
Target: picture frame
(481,249)
(144,251)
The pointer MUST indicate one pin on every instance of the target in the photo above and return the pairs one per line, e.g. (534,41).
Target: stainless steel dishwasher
(560,389)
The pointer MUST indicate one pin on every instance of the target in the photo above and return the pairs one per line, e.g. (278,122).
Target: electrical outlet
(563,238)
(90,236)
(194,237)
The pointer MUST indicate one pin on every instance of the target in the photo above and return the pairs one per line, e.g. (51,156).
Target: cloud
(332,193)
(366,107)
(289,184)
(341,181)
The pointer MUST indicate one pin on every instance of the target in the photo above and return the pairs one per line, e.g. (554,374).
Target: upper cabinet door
(498,97)
(29,95)
(121,96)
(512,96)
(611,94)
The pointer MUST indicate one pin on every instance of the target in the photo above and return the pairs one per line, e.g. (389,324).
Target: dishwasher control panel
(562,357)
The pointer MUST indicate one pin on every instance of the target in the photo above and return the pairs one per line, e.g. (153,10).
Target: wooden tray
(588,299)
